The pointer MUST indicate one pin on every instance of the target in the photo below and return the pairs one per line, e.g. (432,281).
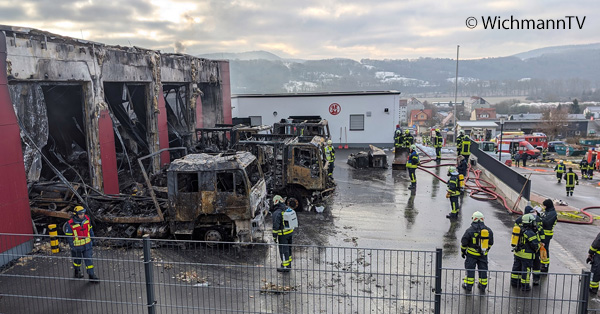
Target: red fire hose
(483,190)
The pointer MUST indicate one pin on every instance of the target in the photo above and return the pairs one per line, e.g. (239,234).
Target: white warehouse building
(355,118)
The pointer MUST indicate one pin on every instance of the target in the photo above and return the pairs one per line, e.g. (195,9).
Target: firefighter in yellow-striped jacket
(282,233)
(475,245)
(80,231)
(594,259)
(453,192)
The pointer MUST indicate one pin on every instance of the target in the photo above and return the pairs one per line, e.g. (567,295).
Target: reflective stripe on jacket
(413,160)
(529,244)
(81,232)
(329,153)
(571,178)
(439,141)
(453,186)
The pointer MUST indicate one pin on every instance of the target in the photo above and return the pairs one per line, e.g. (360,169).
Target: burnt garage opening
(129,112)
(211,99)
(66,148)
(180,118)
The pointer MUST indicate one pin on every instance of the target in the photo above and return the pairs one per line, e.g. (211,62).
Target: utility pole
(455,90)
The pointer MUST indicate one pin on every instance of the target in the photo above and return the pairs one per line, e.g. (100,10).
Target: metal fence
(169,276)
(510,177)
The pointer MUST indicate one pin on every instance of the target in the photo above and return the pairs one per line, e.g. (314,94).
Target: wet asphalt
(376,207)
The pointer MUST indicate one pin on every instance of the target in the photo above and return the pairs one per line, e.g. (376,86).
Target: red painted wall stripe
(108,153)
(15,214)
(163,128)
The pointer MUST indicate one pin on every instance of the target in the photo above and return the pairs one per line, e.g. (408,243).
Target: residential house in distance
(476,102)
(403,112)
(413,104)
(420,117)
(483,114)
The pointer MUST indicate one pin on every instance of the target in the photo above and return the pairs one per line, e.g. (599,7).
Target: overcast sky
(310,29)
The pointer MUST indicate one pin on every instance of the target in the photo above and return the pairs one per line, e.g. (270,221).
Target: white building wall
(378,128)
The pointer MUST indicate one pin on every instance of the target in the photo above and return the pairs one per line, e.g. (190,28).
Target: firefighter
(330,156)
(282,233)
(408,138)
(398,138)
(527,246)
(475,245)
(544,153)
(465,147)
(560,170)
(571,179)
(79,230)
(437,143)
(549,220)
(594,259)
(583,167)
(517,158)
(590,172)
(535,211)
(411,165)
(453,191)
(459,140)
(462,168)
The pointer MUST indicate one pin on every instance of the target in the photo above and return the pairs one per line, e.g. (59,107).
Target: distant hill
(555,49)
(552,73)
(250,55)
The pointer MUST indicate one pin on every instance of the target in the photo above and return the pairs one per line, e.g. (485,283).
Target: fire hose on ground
(483,190)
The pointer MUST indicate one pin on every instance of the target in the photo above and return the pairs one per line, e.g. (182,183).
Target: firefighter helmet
(407,131)
(461,132)
(528,219)
(329,142)
(477,216)
(79,209)
(413,147)
(278,199)
(437,130)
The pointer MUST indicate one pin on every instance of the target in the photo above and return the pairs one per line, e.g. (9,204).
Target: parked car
(554,143)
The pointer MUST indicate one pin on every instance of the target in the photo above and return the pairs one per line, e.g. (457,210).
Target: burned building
(82,111)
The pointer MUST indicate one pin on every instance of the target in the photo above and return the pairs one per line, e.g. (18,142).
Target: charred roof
(208,162)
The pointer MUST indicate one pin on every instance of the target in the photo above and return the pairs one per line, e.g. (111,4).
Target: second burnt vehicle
(292,158)
(294,167)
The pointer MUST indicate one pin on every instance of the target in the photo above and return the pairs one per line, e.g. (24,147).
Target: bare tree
(554,121)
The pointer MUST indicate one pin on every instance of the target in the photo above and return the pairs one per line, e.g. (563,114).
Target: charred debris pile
(217,189)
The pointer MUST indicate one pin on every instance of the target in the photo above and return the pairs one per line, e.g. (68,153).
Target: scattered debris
(269,287)
(191,276)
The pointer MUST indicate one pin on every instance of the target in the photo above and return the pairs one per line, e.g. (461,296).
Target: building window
(357,122)
(255,120)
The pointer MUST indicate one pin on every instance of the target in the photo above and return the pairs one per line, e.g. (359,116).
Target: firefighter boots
(481,287)
(94,278)
(78,273)
(468,288)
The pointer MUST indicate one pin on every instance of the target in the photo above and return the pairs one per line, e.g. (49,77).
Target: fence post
(584,293)
(438,281)
(149,276)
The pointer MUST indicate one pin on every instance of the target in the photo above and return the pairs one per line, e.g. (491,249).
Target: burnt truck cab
(295,167)
(217,196)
